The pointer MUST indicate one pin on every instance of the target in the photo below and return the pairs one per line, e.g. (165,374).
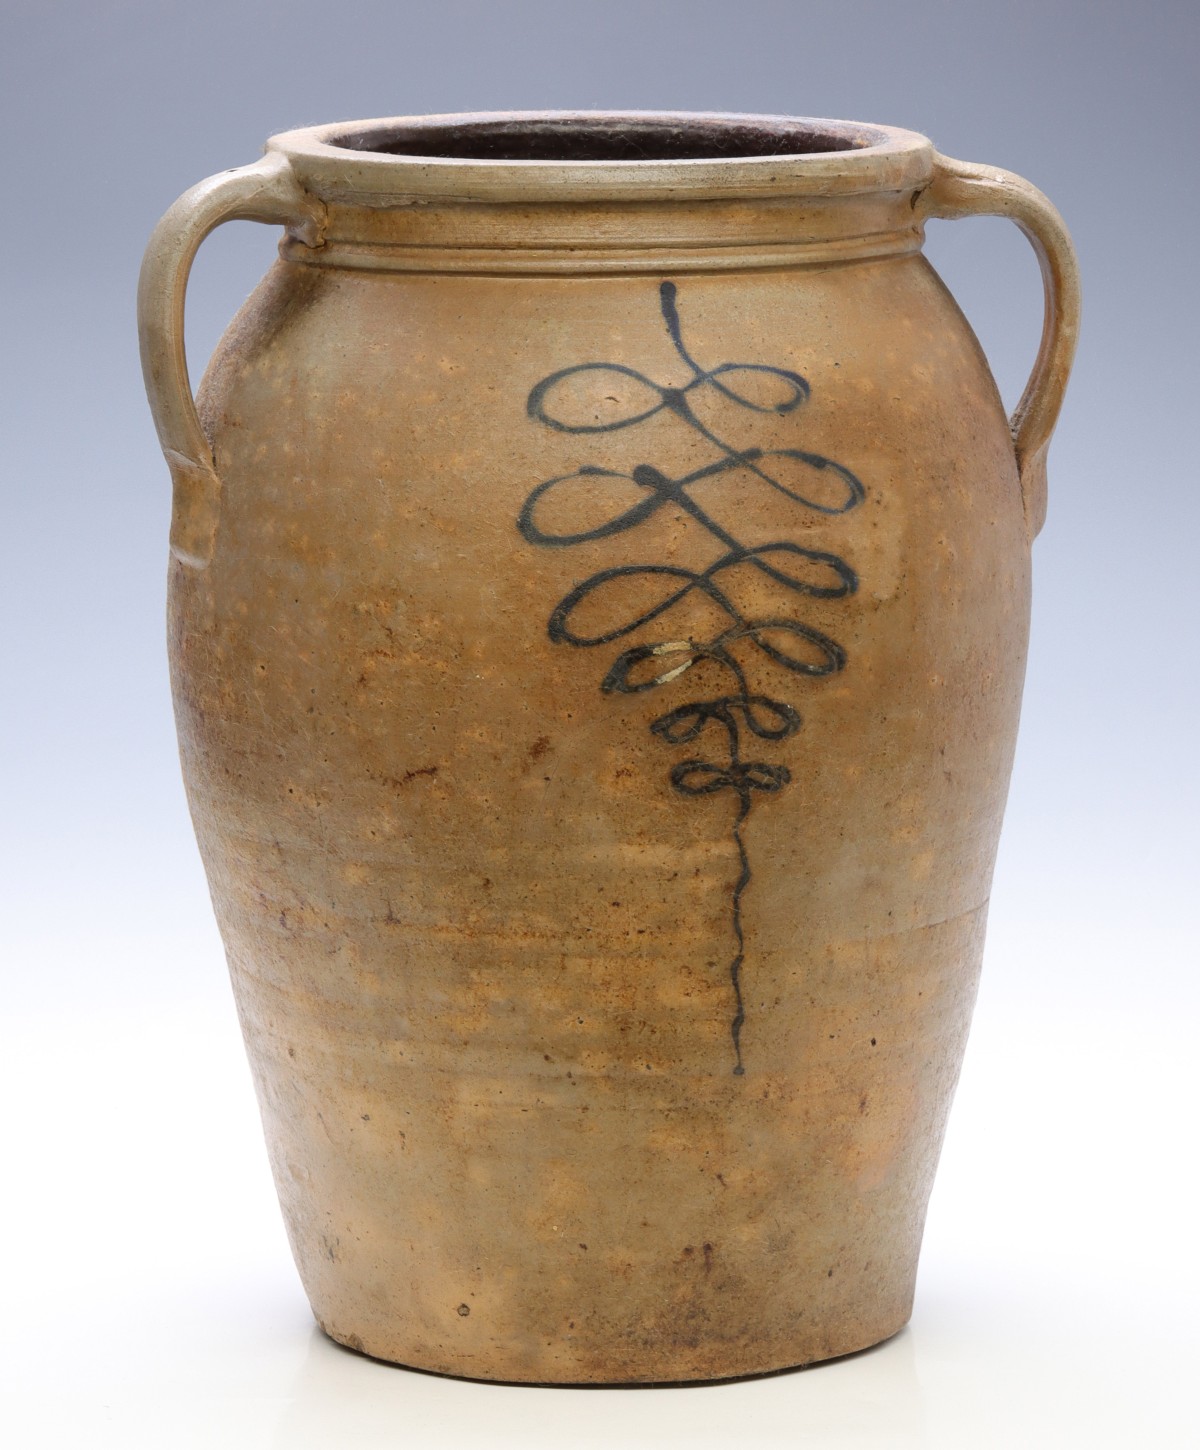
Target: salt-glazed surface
(598,613)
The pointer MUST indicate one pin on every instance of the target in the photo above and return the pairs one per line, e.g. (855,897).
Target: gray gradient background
(1069,1154)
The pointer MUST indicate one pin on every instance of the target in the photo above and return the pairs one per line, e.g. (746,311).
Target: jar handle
(265,191)
(960,188)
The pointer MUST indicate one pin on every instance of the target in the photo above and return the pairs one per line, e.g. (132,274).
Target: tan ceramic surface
(483,942)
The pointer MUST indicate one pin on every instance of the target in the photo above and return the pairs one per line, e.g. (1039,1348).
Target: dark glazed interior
(606,138)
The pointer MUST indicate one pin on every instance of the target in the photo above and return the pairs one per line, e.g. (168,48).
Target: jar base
(699,1370)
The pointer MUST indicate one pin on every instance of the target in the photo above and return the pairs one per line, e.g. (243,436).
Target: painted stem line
(808,480)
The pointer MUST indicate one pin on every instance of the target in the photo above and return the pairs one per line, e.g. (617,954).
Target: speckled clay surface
(598,616)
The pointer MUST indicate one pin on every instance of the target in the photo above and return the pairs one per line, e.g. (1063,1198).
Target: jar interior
(603,138)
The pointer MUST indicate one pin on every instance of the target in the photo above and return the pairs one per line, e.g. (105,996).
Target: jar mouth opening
(535,157)
(604,138)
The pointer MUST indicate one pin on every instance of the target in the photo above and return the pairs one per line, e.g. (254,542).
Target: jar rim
(515,156)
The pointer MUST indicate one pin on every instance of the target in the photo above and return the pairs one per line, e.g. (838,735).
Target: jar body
(491,923)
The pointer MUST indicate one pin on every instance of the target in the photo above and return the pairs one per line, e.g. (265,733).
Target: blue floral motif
(824,487)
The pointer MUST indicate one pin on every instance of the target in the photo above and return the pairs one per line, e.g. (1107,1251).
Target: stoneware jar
(598,611)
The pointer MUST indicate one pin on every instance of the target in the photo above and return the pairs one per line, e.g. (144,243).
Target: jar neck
(587,192)
(597,237)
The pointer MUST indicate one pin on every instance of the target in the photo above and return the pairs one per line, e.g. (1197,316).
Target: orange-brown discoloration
(479,943)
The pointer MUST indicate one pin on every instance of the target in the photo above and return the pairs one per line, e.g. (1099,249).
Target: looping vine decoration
(779,638)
